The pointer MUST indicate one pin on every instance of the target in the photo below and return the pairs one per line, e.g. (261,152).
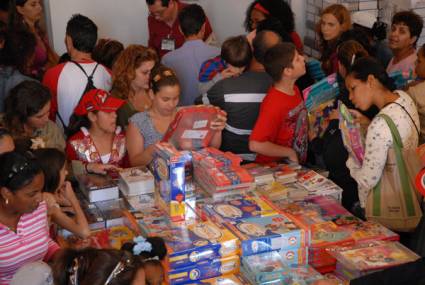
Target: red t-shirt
(283,121)
(159,30)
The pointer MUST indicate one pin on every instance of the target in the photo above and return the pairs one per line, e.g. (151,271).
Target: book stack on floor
(197,249)
(220,173)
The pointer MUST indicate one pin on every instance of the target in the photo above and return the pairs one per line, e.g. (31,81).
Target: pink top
(30,243)
(406,65)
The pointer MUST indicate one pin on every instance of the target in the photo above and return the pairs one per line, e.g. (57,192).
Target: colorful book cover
(320,92)
(232,279)
(327,234)
(262,234)
(235,209)
(374,256)
(369,231)
(401,78)
(319,118)
(204,270)
(191,127)
(119,235)
(352,136)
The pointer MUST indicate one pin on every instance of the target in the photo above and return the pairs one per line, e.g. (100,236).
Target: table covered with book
(225,223)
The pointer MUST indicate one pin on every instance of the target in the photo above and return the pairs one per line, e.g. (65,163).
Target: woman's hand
(100,168)
(220,121)
(360,118)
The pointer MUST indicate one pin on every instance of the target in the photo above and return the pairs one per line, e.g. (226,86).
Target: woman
(406,28)
(330,146)
(59,194)
(98,267)
(27,116)
(260,10)
(334,20)
(131,73)
(24,235)
(97,141)
(369,85)
(107,51)
(26,15)
(15,61)
(148,127)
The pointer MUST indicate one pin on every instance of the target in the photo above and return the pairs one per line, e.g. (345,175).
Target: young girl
(334,20)
(147,128)
(58,192)
(151,251)
(368,84)
(98,143)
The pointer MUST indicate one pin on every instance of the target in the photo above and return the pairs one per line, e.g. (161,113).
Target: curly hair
(125,66)
(107,51)
(278,9)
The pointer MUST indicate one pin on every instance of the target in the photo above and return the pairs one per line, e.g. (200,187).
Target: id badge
(168,44)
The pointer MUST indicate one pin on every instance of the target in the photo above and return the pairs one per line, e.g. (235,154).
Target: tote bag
(394,201)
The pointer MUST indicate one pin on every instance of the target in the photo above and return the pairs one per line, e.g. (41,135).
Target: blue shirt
(186,62)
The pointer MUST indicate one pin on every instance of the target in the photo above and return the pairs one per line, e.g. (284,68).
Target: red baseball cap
(97,100)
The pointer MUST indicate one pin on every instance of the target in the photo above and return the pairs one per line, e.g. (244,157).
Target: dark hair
(357,35)
(65,57)
(261,44)
(94,266)
(76,123)
(17,22)
(349,50)
(107,51)
(158,248)
(25,100)
(18,50)
(278,58)
(83,33)
(191,19)
(236,51)
(17,170)
(272,24)
(4,5)
(51,161)
(363,67)
(163,2)
(162,76)
(412,20)
(278,9)
(4,132)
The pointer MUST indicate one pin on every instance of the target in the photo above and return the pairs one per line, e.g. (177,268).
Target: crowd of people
(103,106)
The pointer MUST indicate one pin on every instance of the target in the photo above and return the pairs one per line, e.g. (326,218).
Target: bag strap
(416,127)
(406,185)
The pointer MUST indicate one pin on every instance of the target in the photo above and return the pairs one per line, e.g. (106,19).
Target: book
(136,181)
(98,187)
(320,92)
(319,117)
(352,136)
(191,127)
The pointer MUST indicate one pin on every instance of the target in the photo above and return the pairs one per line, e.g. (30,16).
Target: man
(241,98)
(187,60)
(68,81)
(163,25)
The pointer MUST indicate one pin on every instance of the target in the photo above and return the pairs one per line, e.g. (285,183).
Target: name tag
(168,44)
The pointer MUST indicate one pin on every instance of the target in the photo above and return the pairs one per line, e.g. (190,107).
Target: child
(417,90)
(151,251)
(281,127)
(235,57)
(6,141)
(98,143)
(58,192)
(148,127)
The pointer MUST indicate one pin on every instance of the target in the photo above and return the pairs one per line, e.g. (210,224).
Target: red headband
(261,9)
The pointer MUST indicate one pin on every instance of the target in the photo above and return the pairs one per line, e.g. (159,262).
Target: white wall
(126,20)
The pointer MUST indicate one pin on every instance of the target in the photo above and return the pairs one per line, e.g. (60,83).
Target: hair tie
(260,8)
(142,245)
(151,258)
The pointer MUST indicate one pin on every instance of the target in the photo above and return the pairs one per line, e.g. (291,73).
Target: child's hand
(292,156)
(334,114)
(220,121)
(360,118)
(67,192)
(228,72)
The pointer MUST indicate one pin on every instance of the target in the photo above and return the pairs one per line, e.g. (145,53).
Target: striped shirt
(30,243)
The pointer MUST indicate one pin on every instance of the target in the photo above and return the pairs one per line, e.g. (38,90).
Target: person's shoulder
(55,69)
(77,136)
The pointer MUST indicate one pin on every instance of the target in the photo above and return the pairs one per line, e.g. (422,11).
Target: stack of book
(136,181)
(98,187)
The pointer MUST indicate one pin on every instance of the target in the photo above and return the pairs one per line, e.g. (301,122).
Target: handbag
(394,201)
